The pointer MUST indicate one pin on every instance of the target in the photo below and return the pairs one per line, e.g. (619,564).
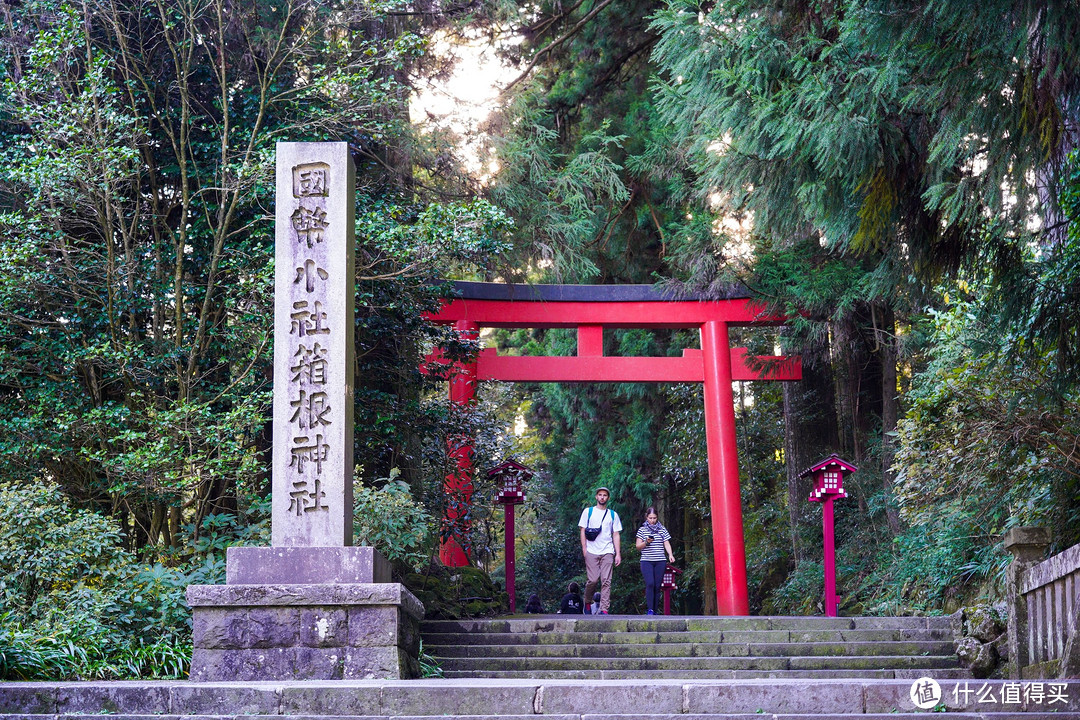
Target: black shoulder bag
(591,533)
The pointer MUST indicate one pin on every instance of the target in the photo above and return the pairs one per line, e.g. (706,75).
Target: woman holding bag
(654,542)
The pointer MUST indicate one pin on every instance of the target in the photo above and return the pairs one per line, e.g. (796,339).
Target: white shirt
(604,544)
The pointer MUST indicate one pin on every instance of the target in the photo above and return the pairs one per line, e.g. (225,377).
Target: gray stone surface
(446,698)
(296,632)
(331,699)
(245,627)
(980,658)
(327,626)
(1027,545)
(322,595)
(224,699)
(112,698)
(774,697)
(27,699)
(258,664)
(375,663)
(626,697)
(305,565)
(313,346)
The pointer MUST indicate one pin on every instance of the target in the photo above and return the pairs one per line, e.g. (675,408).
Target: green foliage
(75,604)
(50,551)
(452,593)
(562,202)
(548,564)
(390,520)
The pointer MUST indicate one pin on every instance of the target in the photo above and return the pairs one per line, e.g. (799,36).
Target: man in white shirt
(601,551)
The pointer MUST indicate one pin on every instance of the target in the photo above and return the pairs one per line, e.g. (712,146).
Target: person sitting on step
(534,606)
(572,604)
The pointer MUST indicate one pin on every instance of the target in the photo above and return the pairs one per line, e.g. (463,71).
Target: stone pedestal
(1028,546)
(305,565)
(299,613)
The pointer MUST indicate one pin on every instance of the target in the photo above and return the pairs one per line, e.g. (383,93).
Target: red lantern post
(828,478)
(668,584)
(510,476)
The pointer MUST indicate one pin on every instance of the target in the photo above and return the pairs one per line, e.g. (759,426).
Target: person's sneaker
(603,612)
(649,612)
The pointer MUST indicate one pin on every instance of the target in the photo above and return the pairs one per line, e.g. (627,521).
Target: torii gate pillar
(725,502)
(458,485)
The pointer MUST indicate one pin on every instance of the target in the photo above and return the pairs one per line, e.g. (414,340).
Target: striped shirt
(655,550)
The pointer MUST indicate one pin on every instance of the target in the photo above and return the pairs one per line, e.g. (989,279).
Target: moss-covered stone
(455,593)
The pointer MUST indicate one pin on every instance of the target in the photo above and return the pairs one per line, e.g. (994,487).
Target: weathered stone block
(314,242)
(420,697)
(294,663)
(324,627)
(26,698)
(324,595)
(295,632)
(373,626)
(305,565)
(315,699)
(409,634)
(618,698)
(231,699)
(980,658)
(774,697)
(377,663)
(112,698)
(231,628)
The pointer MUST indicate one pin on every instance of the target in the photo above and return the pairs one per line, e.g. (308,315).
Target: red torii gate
(590,309)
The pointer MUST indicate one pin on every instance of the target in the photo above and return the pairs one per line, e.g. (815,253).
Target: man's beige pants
(598,569)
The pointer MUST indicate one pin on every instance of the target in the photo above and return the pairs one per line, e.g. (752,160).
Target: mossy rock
(455,593)
(983,623)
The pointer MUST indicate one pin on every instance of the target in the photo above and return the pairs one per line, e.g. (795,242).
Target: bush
(48,549)
(546,566)
(74,604)
(390,520)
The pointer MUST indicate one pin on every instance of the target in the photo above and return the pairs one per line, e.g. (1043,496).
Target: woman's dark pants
(653,571)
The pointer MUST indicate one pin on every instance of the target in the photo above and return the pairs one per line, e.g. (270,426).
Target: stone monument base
(304,632)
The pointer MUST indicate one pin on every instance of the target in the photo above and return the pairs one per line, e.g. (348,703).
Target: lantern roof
(833,459)
(510,465)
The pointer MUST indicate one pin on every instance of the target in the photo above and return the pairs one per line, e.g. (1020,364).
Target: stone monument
(311,606)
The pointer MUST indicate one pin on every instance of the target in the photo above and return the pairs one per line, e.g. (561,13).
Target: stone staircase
(607,668)
(620,647)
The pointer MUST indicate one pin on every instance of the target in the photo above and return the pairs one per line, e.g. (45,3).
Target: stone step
(661,649)
(593,716)
(630,699)
(637,623)
(691,636)
(939,674)
(846,662)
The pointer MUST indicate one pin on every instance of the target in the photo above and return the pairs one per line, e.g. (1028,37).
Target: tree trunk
(176,521)
(810,428)
(709,581)
(890,408)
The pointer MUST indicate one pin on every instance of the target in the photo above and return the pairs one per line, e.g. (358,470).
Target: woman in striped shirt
(654,542)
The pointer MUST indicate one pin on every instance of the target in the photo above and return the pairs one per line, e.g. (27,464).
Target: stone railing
(1044,598)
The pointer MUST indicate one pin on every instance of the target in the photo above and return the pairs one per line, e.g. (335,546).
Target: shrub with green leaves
(390,520)
(50,551)
(75,604)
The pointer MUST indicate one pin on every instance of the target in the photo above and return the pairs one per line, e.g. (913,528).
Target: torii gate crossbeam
(590,309)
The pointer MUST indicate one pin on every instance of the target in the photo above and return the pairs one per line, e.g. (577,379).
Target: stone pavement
(490,698)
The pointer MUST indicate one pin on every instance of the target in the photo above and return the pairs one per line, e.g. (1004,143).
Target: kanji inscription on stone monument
(313,346)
